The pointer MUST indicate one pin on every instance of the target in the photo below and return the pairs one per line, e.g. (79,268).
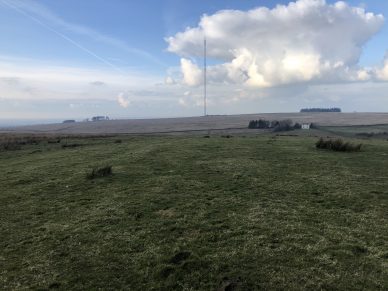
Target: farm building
(306,125)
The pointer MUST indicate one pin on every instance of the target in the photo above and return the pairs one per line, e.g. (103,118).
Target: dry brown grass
(217,123)
(16,140)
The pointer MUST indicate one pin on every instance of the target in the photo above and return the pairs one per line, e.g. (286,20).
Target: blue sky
(130,59)
(142,25)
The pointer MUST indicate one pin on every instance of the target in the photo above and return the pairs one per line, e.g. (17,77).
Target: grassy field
(198,124)
(379,131)
(194,213)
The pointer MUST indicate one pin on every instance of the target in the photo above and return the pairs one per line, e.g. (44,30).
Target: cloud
(169,80)
(123,101)
(192,101)
(304,41)
(30,79)
(382,73)
(191,73)
(97,83)
(10,81)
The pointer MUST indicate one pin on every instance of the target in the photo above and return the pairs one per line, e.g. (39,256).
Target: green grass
(194,213)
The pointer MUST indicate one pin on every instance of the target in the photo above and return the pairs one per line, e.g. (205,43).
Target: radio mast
(204,77)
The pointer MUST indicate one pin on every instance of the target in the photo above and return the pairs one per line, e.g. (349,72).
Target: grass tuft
(180,257)
(337,145)
(71,145)
(100,172)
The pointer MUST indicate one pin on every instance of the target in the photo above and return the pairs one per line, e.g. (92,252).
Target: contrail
(64,37)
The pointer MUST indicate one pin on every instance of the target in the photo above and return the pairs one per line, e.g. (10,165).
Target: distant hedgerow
(337,145)
(100,172)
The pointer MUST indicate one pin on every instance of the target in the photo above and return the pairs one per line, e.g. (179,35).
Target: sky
(70,59)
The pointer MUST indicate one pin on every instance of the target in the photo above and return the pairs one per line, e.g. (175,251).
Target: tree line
(275,125)
(333,109)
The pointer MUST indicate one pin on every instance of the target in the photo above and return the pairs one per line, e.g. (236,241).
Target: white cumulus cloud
(123,101)
(306,40)
(382,73)
(169,80)
(192,74)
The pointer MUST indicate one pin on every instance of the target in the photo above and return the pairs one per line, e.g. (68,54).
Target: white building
(306,125)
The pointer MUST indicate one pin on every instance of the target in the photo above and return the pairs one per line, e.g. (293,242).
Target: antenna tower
(204,77)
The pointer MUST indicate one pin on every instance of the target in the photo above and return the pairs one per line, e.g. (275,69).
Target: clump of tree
(275,125)
(333,109)
(261,123)
(283,125)
(337,145)
(297,125)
